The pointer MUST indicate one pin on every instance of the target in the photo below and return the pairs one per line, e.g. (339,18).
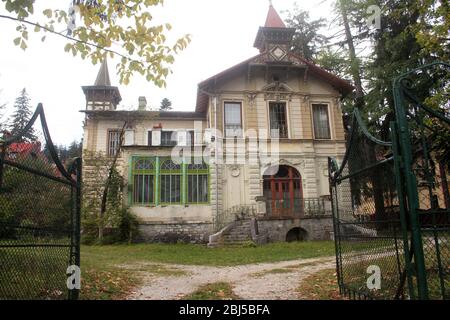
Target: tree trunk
(355,67)
(108,182)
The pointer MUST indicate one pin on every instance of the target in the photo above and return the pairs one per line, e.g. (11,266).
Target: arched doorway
(283,191)
(296,234)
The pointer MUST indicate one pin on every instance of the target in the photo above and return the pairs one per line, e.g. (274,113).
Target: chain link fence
(39,215)
(391,200)
(367,221)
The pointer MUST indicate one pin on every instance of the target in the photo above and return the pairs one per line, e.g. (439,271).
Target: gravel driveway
(265,281)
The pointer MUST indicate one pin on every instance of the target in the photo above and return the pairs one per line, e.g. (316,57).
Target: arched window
(143,172)
(159,180)
(197,182)
(283,191)
(170,182)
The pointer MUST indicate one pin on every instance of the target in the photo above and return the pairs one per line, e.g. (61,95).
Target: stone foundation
(317,228)
(175,232)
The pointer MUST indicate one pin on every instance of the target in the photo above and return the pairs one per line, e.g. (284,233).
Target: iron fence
(39,215)
(391,199)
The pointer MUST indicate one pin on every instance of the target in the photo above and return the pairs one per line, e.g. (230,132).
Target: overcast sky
(222,32)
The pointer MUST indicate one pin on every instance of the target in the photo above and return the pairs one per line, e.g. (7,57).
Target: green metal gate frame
(401,137)
(41,237)
(413,266)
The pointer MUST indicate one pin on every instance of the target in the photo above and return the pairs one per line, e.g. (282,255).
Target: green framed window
(160,181)
(144,172)
(170,182)
(197,182)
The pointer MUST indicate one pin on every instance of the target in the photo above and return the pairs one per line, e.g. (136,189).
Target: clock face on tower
(278,53)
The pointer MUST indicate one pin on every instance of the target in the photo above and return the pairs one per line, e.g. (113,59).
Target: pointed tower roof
(273,19)
(103,75)
(102,95)
(274,31)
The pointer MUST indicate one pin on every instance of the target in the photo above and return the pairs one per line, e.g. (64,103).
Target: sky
(223,32)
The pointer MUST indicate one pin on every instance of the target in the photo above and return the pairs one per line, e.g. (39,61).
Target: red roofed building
(269,123)
(24,148)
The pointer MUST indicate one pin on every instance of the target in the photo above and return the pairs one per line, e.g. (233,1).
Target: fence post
(335,217)
(76,220)
(403,221)
(405,151)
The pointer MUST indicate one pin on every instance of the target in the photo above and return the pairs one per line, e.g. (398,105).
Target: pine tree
(2,110)
(2,114)
(307,39)
(166,105)
(74,150)
(21,117)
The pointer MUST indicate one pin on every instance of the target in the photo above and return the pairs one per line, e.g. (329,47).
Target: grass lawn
(201,255)
(320,286)
(102,278)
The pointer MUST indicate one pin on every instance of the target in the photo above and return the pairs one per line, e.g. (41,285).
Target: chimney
(142,103)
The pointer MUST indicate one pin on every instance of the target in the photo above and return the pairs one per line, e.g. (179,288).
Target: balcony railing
(297,207)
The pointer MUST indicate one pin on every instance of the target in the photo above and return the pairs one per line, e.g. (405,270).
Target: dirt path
(266,281)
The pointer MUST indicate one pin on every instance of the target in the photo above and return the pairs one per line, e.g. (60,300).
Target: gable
(235,78)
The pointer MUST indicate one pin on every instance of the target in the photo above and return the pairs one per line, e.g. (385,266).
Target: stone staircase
(238,233)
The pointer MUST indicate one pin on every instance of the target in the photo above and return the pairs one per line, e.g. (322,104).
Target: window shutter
(149,138)
(156,138)
(182,138)
(198,138)
(129,138)
(207,136)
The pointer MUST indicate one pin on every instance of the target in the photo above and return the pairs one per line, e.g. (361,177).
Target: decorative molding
(251,97)
(278,53)
(277,91)
(235,171)
(323,167)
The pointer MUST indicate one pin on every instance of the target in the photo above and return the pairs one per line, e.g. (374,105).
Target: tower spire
(103,75)
(274,33)
(102,96)
(273,19)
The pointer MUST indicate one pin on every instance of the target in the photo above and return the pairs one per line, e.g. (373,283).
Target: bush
(128,226)
(124,228)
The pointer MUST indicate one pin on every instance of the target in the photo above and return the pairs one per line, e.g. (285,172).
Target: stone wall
(175,232)
(320,228)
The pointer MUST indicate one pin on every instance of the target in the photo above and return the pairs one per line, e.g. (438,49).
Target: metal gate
(391,202)
(39,215)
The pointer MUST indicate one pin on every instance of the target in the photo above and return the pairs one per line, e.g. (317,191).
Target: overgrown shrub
(117,223)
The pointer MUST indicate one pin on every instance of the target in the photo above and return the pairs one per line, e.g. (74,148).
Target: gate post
(405,151)
(403,220)
(332,168)
(76,219)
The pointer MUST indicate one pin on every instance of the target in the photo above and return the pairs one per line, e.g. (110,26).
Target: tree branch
(90,44)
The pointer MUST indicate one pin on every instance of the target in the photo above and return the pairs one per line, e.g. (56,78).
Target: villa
(253,153)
